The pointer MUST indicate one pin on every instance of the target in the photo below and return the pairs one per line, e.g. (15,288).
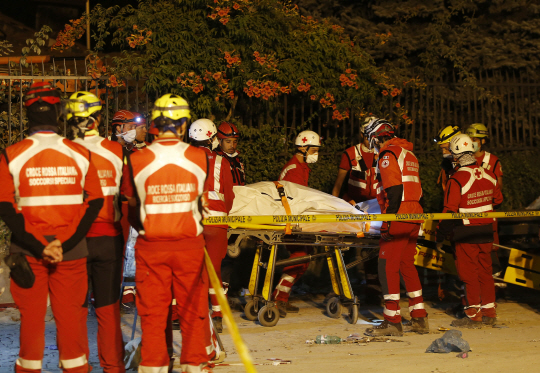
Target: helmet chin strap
(304,154)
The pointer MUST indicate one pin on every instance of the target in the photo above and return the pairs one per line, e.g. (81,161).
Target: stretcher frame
(262,307)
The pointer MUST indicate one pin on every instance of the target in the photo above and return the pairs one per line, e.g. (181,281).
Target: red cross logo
(209,133)
(465,144)
(304,140)
(477,174)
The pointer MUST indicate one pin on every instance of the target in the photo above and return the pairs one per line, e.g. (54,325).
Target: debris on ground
(132,357)
(451,341)
(463,355)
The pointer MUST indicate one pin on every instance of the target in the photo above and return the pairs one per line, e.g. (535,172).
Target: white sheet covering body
(263,199)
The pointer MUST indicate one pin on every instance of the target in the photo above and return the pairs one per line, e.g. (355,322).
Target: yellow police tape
(241,347)
(238,221)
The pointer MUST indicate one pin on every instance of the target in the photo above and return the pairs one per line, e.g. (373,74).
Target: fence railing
(508,103)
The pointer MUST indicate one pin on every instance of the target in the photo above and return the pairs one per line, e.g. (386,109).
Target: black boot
(467,322)
(218,323)
(386,328)
(418,325)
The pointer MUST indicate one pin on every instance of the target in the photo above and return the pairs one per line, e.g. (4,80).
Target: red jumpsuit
(220,201)
(298,173)
(473,190)
(401,193)
(168,181)
(360,163)
(106,246)
(50,190)
(237,167)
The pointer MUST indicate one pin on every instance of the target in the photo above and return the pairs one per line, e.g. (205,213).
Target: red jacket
(491,163)
(107,156)
(295,172)
(237,167)
(360,162)
(399,178)
(50,187)
(168,178)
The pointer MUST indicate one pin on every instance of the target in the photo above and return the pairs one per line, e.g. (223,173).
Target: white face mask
(312,158)
(129,136)
(450,156)
(215,143)
(475,146)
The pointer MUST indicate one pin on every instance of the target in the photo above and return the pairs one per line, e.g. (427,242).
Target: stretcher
(261,307)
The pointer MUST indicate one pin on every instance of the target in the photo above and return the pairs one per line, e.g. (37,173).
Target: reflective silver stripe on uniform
(286,277)
(485,161)
(110,190)
(215,196)
(186,368)
(357,183)
(410,178)
(41,142)
(418,306)
(165,369)
(29,364)
(216,213)
(391,296)
(169,208)
(357,157)
(210,349)
(216,308)
(69,199)
(489,305)
(485,208)
(391,313)
(170,155)
(217,175)
(283,288)
(287,169)
(414,294)
(73,363)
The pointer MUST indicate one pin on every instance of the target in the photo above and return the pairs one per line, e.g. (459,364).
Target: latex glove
(439,247)
(385,231)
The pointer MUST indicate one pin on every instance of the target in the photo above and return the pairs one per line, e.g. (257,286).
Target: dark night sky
(25,10)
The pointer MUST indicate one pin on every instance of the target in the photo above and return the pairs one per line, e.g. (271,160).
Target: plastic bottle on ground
(327,339)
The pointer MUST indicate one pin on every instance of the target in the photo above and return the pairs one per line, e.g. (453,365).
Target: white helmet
(202,129)
(461,144)
(307,138)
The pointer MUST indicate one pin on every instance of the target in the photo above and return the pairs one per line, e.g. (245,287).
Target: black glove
(385,231)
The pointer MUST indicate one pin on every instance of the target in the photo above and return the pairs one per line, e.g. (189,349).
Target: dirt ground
(512,346)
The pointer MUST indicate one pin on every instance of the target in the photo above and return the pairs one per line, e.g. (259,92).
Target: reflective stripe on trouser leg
(489,310)
(391,308)
(186,368)
(145,369)
(474,312)
(32,305)
(409,273)
(216,308)
(291,275)
(283,289)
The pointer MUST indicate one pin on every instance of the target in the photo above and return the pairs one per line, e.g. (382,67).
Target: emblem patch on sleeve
(385,163)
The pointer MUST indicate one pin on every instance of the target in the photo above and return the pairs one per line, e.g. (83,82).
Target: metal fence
(507,102)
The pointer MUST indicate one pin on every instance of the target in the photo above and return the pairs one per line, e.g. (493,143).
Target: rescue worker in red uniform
(401,193)
(358,167)
(202,134)
(49,197)
(165,185)
(471,189)
(296,171)
(448,166)
(130,128)
(105,240)
(228,136)
(490,162)
(358,164)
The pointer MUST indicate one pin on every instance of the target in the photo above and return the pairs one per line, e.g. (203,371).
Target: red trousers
(473,263)
(67,284)
(396,258)
(291,274)
(216,245)
(160,276)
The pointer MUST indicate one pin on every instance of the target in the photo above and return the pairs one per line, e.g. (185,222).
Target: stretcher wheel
(353,313)
(333,308)
(268,316)
(249,311)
